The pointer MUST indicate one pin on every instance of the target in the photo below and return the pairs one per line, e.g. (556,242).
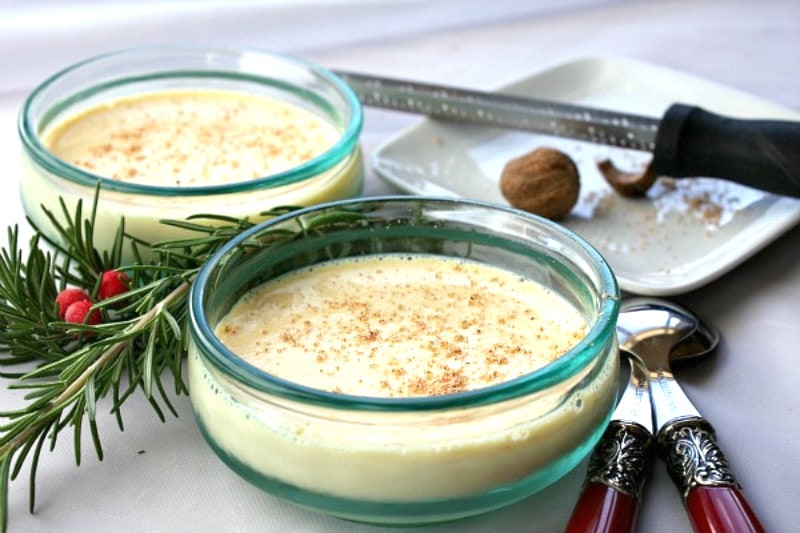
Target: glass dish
(405,460)
(335,174)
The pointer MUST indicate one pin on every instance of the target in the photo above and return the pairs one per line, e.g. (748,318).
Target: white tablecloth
(163,477)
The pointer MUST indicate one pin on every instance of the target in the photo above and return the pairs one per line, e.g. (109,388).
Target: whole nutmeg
(544,182)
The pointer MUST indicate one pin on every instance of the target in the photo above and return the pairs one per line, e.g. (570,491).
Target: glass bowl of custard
(403,360)
(174,131)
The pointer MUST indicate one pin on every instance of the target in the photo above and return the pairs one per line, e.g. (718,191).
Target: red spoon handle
(718,509)
(700,471)
(618,469)
(602,508)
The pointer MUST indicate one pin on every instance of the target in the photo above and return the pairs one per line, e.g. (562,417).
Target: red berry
(68,297)
(112,283)
(77,311)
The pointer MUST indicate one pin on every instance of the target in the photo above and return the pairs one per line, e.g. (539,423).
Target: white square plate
(684,234)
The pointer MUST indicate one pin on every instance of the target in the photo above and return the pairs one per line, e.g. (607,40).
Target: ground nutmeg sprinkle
(191,138)
(400,326)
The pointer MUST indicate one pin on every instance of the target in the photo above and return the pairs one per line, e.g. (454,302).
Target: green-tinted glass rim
(347,143)
(600,335)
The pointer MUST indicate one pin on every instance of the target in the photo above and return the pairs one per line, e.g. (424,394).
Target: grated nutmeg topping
(191,138)
(401,326)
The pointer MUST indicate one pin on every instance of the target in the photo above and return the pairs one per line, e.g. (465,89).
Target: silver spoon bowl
(649,329)
(701,343)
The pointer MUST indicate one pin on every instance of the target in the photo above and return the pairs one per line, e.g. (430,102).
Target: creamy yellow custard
(400,326)
(191,138)
(175,139)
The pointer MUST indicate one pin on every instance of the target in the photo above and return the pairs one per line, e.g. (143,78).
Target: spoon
(650,329)
(621,461)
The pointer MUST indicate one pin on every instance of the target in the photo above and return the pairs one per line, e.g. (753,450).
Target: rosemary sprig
(68,368)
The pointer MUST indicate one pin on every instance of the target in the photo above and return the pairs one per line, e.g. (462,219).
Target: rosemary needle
(67,368)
